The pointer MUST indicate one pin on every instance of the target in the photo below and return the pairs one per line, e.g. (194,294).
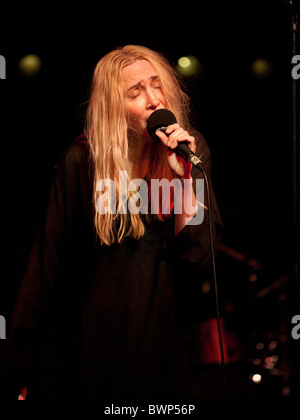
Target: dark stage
(241,101)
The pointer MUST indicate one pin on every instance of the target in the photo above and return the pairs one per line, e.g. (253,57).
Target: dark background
(246,120)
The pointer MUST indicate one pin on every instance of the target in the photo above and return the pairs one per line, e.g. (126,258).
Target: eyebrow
(152,78)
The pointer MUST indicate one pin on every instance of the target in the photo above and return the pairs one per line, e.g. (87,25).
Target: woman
(97,315)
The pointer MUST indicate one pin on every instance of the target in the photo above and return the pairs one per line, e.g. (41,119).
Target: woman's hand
(173,135)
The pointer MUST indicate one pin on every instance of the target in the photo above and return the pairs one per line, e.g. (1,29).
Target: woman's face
(143,93)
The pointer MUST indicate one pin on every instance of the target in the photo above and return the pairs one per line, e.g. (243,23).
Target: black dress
(101,322)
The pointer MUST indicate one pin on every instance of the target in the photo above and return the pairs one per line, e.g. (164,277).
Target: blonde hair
(107,130)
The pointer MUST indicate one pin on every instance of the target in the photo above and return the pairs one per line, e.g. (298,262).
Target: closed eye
(134,93)
(156,82)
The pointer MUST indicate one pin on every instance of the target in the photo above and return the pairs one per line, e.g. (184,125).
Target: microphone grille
(158,119)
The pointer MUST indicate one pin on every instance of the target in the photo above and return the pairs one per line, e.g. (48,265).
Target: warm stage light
(256,378)
(30,65)
(261,68)
(184,62)
(189,65)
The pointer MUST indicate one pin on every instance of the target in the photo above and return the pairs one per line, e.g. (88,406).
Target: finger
(189,139)
(171,128)
(176,136)
(182,137)
(162,136)
(192,143)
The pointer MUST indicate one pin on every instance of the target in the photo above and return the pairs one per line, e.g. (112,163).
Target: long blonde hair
(107,130)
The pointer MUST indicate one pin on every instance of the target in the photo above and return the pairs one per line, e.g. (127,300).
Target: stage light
(286,391)
(189,66)
(206,287)
(30,65)
(256,378)
(261,68)
(253,278)
(260,346)
(269,363)
(184,62)
(273,344)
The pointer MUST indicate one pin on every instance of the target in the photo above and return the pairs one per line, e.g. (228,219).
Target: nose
(152,99)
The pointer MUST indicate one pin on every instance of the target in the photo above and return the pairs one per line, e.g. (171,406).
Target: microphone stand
(295,8)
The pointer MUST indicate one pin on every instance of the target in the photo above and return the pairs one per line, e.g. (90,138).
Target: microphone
(160,120)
